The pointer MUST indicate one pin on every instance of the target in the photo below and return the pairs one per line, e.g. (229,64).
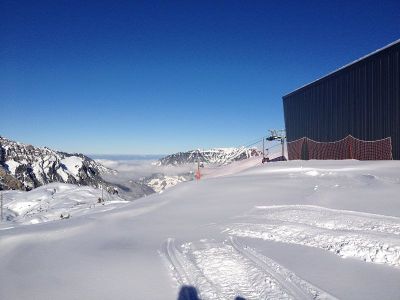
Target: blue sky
(130,77)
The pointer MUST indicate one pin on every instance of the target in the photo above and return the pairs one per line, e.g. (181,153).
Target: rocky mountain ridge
(26,167)
(217,156)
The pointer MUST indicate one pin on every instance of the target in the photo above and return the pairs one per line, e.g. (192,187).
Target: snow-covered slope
(55,201)
(26,167)
(286,230)
(217,156)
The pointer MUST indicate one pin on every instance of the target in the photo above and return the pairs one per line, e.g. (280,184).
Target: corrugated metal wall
(362,99)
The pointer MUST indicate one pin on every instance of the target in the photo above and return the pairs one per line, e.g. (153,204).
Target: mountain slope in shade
(217,156)
(26,167)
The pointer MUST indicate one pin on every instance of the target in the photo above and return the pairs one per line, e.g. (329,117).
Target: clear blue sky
(133,77)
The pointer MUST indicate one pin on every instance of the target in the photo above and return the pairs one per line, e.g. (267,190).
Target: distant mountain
(217,156)
(26,167)
(158,182)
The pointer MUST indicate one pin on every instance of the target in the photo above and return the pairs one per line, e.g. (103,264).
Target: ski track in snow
(186,272)
(230,269)
(329,218)
(297,287)
(369,237)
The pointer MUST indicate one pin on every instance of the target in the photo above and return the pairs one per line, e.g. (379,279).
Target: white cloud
(135,169)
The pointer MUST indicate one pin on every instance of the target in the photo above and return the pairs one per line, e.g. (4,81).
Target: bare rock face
(26,167)
(9,182)
(218,156)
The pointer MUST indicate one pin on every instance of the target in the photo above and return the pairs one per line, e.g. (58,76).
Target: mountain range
(26,167)
(216,156)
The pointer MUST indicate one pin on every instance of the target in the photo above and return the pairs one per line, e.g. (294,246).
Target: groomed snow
(287,230)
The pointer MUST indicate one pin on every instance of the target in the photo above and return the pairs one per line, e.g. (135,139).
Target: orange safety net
(347,148)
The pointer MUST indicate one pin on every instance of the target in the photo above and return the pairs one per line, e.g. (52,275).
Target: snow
(38,171)
(42,165)
(285,230)
(213,157)
(12,165)
(160,184)
(73,164)
(49,202)
(63,174)
(234,167)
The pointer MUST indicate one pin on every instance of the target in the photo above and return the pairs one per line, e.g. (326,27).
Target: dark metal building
(361,99)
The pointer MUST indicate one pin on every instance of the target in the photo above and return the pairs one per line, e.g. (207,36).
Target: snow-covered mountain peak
(214,156)
(25,167)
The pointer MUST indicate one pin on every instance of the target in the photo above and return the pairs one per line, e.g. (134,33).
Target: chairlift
(275,135)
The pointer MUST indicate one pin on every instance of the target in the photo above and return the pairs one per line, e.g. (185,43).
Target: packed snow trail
(297,287)
(372,238)
(226,270)
(186,272)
